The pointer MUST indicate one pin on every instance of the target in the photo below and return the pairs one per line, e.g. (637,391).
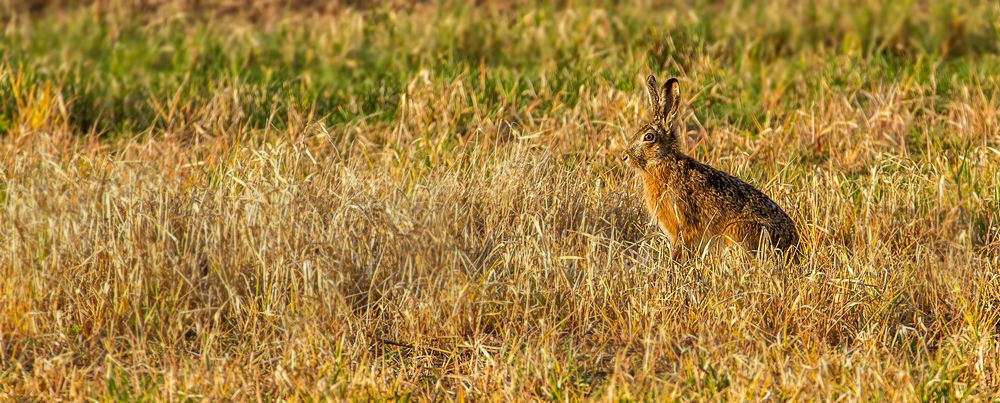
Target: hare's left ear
(654,95)
(670,100)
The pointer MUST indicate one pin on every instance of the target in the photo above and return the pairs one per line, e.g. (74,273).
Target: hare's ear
(654,95)
(670,101)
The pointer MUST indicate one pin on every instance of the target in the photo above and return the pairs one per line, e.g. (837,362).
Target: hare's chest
(662,204)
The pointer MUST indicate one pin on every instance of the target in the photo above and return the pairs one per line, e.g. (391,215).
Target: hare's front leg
(675,251)
(674,239)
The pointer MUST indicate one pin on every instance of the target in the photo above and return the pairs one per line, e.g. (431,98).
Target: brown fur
(694,204)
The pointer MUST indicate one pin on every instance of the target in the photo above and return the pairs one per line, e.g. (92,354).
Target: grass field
(284,201)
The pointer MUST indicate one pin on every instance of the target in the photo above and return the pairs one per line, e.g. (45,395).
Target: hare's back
(738,201)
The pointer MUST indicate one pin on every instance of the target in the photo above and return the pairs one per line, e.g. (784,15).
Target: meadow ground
(424,202)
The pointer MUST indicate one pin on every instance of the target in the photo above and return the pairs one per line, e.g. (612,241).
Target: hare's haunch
(694,204)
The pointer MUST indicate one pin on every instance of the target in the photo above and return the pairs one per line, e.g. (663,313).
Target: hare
(694,204)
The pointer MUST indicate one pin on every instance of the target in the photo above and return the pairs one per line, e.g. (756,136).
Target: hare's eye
(647,137)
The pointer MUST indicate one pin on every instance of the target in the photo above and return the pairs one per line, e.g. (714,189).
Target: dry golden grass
(206,259)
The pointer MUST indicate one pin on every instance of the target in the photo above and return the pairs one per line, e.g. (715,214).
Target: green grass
(425,202)
(357,66)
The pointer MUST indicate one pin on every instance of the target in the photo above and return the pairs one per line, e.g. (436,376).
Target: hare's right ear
(670,101)
(654,96)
